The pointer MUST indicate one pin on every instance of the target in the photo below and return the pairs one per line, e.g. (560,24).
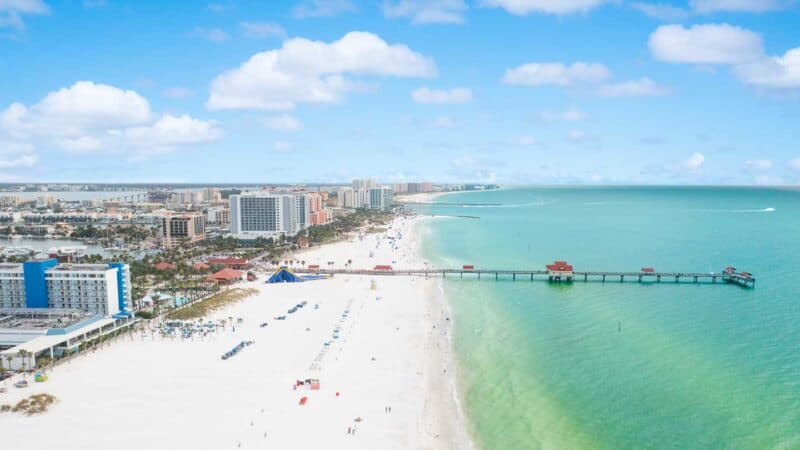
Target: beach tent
(284,275)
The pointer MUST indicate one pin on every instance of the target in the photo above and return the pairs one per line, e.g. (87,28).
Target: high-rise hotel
(269,215)
(102,289)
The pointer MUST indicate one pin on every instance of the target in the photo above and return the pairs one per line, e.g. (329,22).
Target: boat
(21,384)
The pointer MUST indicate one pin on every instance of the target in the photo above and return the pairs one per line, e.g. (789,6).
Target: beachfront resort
(277,347)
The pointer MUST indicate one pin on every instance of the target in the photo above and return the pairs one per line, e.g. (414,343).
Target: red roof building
(560,270)
(231,263)
(165,266)
(313,266)
(383,267)
(648,270)
(200,266)
(226,276)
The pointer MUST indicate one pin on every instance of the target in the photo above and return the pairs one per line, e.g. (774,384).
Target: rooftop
(40,318)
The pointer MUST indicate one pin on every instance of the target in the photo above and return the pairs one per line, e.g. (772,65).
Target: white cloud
(557,74)
(11,20)
(754,6)
(73,110)
(282,146)
(776,72)
(11,11)
(525,141)
(661,11)
(18,161)
(436,96)
(726,44)
(284,122)
(442,122)
(795,163)
(89,117)
(263,30)
(576,135)
(706,44)
(322,8)
(16,154)
(643,87)
(219,7)
(569,115)
(426,11)
(694,161)
(24,6)
(211,34)
(82,144)
(178,92)
(172,130)
(580,74)
(758,165)
(667,12)
(524,7)
(306,71)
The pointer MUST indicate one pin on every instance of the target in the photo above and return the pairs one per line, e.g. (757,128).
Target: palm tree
(24,355)
(9,358)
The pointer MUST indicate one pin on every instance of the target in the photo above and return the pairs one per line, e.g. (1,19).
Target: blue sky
(507,91)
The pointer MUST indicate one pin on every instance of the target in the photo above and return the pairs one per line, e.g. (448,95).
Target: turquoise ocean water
(693,366)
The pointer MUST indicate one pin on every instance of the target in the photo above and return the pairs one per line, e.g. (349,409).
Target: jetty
(558,272)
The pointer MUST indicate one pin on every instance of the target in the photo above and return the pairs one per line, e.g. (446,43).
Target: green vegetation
(320,234)
(89,232)
(204,307)
(131,234)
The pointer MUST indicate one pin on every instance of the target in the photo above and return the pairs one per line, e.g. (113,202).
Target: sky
(501,91)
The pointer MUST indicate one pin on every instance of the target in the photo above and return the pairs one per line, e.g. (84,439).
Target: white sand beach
(393,350)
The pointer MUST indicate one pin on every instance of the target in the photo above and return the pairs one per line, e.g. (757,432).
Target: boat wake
(764,210)
(753,210)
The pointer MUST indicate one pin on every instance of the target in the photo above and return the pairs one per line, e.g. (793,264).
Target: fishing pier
(558,272)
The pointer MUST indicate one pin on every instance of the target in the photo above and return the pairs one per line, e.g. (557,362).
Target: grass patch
(35,404)
(213,303)
(372,230)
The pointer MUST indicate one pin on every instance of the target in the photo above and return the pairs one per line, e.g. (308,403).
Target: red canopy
(560,266)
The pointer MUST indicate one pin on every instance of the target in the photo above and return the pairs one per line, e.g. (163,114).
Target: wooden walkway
(544,275)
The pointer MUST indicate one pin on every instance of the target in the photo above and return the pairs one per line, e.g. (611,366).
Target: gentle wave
(520,205)
(764,210)
(606,203)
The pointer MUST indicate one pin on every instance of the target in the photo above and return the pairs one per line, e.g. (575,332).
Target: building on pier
(560,271)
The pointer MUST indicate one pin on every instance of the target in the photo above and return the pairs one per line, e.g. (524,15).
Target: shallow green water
(694,366)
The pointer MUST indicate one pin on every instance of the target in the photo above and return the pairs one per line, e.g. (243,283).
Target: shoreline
(451,398)
(390,348)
